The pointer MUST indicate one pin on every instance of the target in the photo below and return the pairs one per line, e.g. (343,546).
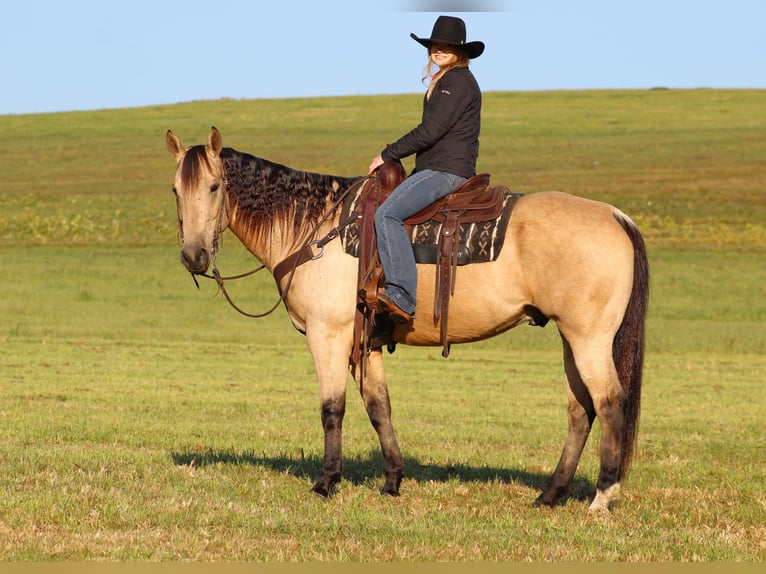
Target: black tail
(628,346)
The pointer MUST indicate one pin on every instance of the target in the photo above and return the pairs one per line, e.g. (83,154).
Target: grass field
(142,419)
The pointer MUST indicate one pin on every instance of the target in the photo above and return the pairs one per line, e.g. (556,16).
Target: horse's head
(200,192)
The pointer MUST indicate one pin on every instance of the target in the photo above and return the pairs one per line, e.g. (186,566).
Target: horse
(578,262)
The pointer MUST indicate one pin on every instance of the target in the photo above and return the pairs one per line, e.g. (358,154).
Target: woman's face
(442,54)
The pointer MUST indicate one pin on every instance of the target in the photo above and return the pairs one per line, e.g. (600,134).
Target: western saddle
(473,201)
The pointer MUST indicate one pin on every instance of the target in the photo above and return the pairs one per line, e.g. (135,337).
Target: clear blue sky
(96,54)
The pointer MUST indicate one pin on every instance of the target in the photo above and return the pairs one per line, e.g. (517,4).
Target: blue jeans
(416,192)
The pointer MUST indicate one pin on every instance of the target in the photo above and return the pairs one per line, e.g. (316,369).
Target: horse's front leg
(333,410)
(330,352)
(374,391)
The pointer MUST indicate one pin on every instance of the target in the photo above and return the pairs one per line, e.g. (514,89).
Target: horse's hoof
(543,503)
(604,498)
(389,493)
(320,492)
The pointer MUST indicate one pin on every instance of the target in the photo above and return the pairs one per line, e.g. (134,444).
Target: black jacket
(447,138)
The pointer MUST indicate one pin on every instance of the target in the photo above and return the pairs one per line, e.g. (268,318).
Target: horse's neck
(273,209)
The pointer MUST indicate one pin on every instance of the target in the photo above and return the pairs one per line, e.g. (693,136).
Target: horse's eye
(214,187)
(175,191)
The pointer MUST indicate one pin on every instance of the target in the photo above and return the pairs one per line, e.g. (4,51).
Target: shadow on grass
(365,468)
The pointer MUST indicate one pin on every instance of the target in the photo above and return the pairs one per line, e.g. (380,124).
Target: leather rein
(290,263)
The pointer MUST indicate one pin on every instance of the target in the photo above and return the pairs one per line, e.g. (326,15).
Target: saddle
(473,201)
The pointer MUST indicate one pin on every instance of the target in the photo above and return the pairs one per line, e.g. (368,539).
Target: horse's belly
(426,333)
(478,310)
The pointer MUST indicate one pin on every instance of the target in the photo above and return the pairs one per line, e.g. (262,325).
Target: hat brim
(473,49)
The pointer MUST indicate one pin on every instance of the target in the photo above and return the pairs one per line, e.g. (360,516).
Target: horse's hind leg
(598,373)
(609,409)
(580,414)
(374,391)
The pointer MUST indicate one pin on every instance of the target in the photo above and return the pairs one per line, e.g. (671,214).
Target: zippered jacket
(447,138)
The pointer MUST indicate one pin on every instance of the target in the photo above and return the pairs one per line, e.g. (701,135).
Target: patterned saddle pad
(479,242)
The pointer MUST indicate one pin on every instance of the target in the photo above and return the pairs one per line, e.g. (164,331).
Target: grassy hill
(689,166)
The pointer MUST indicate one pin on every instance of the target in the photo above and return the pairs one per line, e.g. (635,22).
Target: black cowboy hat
(451,30)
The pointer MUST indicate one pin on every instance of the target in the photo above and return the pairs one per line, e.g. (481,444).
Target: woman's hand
(376,163)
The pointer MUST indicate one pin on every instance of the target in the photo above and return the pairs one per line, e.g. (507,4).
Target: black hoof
(543,503)
(389,493)
(321,492)
(324,485)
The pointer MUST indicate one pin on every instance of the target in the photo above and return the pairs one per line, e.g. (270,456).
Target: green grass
(142,419)
(155,424)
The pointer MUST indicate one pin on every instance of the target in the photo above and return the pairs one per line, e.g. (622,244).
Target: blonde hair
(461,61)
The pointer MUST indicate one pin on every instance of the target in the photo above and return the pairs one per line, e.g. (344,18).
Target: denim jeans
(416,192)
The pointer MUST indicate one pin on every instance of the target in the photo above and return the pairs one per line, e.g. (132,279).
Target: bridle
(289,265)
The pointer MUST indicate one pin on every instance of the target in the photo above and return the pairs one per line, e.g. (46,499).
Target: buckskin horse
(578,262)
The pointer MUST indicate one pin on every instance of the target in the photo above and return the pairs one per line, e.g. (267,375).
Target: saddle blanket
(479,242)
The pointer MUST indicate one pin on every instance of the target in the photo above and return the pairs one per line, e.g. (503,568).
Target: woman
(446,144)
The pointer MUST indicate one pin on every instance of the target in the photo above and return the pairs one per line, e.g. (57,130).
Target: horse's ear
(174,146)
(214,142)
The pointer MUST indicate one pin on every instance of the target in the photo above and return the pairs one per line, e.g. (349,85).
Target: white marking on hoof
(604,498)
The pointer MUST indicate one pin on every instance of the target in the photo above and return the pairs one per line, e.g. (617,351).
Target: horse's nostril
(195,260)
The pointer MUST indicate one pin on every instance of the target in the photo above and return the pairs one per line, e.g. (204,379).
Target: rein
(290,264)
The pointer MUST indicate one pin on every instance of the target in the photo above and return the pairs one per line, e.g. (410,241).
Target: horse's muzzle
(196,260)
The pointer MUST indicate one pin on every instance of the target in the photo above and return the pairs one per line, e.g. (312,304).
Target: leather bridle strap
(306,253)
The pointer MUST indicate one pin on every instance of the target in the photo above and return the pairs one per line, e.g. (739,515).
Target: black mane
(263,192)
